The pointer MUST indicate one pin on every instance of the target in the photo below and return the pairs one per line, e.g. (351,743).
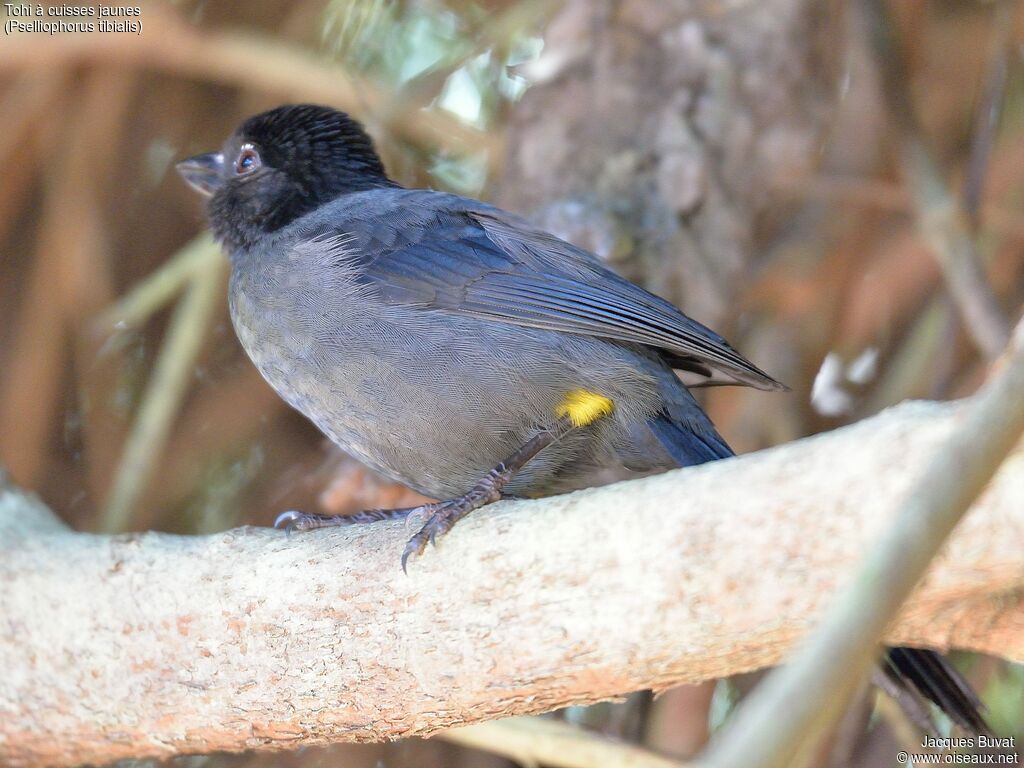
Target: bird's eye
(248,160)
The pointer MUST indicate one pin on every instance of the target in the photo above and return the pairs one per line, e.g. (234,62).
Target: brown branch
(247,60)
(989,109)
(941,219)
(886,196)
(69,276)
(152,644)
(531,741)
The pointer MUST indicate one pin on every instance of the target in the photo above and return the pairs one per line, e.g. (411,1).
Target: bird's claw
(433,520)
(288,521)
(441,521)
(414,546)
(293,520)
(419,516)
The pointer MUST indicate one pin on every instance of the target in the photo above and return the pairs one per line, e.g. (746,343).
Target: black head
(280,165)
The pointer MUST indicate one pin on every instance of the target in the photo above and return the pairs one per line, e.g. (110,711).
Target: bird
(455,347)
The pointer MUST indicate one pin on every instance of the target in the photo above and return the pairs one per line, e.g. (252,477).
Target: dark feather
(477,260)
(686,446)
(936,679)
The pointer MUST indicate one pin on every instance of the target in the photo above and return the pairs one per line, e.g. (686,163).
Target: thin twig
(986,117)
(815,687)
(879,194)
(248,60)
(909,371)
(940,218)
(943,226)
(533,741)
(164,393)
(161,286)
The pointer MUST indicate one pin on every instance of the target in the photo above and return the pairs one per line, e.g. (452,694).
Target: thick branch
(153,644)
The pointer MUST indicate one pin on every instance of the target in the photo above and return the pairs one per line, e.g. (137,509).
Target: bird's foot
(307,521)
(442,516)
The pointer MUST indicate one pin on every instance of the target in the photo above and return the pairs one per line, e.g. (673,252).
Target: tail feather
(689,446)
(935,679)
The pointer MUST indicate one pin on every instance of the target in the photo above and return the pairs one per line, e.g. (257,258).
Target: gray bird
(445,343)
(456,348)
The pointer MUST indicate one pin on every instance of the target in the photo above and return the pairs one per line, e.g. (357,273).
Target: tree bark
(154,645)
(655,131)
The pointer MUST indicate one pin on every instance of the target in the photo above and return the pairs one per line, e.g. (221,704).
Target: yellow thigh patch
(583,408)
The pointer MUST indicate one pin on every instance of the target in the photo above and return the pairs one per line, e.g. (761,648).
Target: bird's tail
(925,672)
(934,678)
(688,446)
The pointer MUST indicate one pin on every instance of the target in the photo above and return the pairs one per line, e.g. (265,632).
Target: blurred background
(836,187)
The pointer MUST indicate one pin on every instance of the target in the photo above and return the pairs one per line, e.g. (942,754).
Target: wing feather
(473,259)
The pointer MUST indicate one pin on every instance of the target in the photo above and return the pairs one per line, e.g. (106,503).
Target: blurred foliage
(90,210)
(458,57)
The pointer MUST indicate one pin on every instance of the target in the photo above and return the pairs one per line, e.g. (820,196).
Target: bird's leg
(579,408)
(484,492)
(444,515)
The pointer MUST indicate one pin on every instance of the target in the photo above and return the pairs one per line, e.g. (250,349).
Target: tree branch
(941,219)
(816,686)
(246,60)
(533,741)
(152,644)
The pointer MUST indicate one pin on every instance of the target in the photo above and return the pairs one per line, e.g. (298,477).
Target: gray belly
(434,401)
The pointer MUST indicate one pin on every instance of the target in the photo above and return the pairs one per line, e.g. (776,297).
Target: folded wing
(476,260)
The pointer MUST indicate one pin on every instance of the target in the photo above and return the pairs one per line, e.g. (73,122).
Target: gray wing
(466,257)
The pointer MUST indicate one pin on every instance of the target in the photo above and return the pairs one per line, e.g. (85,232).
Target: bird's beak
(203,172)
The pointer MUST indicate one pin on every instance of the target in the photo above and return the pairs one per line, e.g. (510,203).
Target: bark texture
(655,132)
(155,644)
